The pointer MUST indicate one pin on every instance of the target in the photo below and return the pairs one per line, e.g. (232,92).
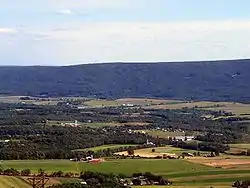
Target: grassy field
(126,166)
(111,146)
(97,124)
(101,103)
(183,173)
(238,109)
(159,151)
(240,146)
(188,186)
(13,182)
(162,134)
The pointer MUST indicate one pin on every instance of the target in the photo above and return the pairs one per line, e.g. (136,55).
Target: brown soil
(221,162)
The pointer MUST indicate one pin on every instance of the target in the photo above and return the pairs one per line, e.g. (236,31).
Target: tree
(217,153)
(212,154)
(248,152)
(25,172)
(236,184)
(153,150)
(40,171)
(131,151)
(136,181)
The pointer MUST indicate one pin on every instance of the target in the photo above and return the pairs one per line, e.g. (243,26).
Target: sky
(67,32)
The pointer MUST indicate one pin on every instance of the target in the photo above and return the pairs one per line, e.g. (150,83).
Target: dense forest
(220,81)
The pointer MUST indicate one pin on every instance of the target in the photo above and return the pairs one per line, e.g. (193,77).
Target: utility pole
(39,181)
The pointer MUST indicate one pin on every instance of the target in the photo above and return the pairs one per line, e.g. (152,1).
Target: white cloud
(65,12)
(91,4)
(135,41)
(7,30)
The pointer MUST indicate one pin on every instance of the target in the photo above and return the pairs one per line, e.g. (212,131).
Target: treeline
(101,180)
(57,142)
(241,184)
(202,146)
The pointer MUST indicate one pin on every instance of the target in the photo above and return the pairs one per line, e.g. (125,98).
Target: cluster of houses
(72,124)
(89,159)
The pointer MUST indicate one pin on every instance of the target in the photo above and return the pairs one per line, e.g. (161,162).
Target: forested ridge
(219,80)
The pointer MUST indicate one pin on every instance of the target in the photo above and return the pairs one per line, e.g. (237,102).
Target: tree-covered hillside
(220,80)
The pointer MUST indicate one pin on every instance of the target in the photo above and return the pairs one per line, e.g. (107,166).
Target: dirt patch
(146,154)
(51,181)
(206,177)
(221,162)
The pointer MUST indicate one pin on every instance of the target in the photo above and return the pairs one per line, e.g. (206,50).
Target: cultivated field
(101,103)
(240,146)
(162,134)
(238,109)
(224,161)
(147,102)
(13,182)
(182,172)
(111,146)
(126,166)
(160,151)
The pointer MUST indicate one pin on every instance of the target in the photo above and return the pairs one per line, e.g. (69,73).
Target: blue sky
(64,32)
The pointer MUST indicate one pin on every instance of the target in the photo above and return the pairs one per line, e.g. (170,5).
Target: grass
(12,182)
(126,166)
(167,149)
(147,101)
(180,186)
(183,173)
(111,146)
(98,125)
(238,109)
(162,134)
(101,103)
(240,146)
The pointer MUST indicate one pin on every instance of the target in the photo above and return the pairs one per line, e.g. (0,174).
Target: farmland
(181,172)
(13,182)
(236,108)
(125,166)
(103,126)
(159,151)
(240,146)
(162,134)
(103,147)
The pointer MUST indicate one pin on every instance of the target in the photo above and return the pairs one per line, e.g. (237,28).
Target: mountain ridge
(225,80)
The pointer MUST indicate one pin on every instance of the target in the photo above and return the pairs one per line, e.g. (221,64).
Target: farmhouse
(185,138)
(74,124)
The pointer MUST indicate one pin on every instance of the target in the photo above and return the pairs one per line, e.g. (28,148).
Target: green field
(181,172)
(12,182)
(101,103)
(240,146)
(111,146)
(162,134)
(166,149)
(126,166)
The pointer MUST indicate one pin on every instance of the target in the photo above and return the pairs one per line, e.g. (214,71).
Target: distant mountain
(218,80)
